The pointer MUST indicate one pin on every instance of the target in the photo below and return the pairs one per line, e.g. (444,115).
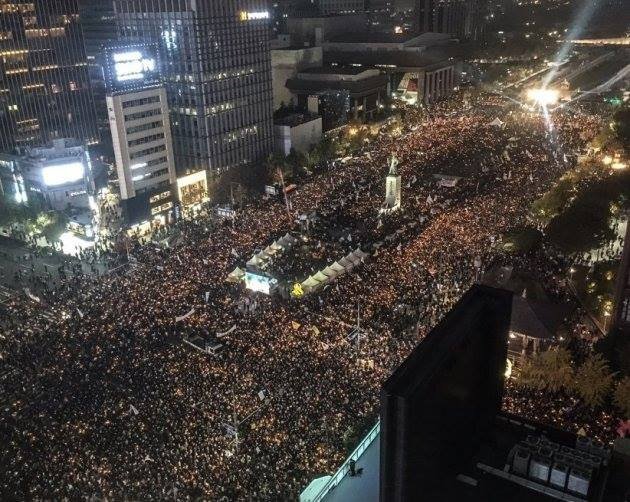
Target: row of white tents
(331,272)
(260,260)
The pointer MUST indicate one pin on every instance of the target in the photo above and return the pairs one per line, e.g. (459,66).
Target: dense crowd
(102,398)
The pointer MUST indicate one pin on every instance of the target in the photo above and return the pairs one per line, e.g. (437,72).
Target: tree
(530,375)
(621,126)
(593,380)
(56,226)
(621,396)
(548,370)
(274,165)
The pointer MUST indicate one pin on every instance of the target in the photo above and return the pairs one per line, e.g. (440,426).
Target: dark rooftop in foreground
(443,438)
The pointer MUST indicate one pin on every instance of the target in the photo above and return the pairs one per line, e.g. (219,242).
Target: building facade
(215,62)
(285,64)
(461,18)
(297,131)
(45,88)
(327,7)
(57,176)
(141,138)
(98,20)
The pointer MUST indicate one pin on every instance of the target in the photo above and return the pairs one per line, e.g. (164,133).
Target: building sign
(131,67)
(193,188)
(253,16)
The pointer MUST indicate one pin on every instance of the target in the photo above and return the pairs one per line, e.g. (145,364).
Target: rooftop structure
(442,436)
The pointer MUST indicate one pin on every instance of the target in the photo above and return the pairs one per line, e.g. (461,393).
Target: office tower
(98,21)
(327,7)
(460,18)
(44,85)
(215,60)
(141,133)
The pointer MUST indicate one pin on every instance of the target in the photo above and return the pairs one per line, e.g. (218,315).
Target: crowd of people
(102,398)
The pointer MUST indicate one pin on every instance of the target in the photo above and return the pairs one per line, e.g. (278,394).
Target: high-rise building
(141,133)
(216,64)
(98,20)
(44,84)
(327,7)
(460,18)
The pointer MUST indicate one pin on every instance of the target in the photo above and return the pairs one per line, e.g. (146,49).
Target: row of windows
(144,127)
(142,115)
(141,101)
(149,176)
(147,151)
(146,139)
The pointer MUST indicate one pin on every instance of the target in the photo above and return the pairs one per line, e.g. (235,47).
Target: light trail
(581,20)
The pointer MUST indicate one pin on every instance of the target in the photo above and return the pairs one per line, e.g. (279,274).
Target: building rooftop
(442,432)
(479,481)
(334,70)
(294,119)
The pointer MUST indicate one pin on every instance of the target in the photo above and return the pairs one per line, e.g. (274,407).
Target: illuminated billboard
(260,283)
(63,174)
(253,16)
(131,67)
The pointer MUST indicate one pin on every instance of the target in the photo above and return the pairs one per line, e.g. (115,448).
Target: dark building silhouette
(446,392)
(98,20)
(621,313)
(442,435)
(460,18)
(44,84)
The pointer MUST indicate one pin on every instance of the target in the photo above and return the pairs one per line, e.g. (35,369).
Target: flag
(31,295)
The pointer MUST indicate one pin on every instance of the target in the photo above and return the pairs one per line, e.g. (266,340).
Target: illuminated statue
(393,166)
(392,186)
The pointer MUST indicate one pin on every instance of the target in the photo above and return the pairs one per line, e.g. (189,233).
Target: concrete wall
(301,137)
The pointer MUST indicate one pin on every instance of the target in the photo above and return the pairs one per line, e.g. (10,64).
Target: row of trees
(31,221)
(592,381)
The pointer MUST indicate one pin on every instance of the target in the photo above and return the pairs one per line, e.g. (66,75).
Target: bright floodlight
(543,97)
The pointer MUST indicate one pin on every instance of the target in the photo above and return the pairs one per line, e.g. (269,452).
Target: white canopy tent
(236,275)
(320,277)
(310,283)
